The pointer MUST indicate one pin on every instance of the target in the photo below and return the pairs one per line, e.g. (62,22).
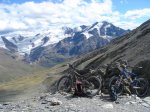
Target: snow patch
(32,39)
(88,35)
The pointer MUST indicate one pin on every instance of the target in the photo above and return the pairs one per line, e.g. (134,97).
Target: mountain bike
(128,81)
(78,83)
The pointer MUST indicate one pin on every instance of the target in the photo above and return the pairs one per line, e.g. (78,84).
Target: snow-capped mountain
(28,40)
(82,40)
(88,38)
(64,41)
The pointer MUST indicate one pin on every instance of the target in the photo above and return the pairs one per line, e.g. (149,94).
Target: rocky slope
(9,45)
(133,47)
(47,102)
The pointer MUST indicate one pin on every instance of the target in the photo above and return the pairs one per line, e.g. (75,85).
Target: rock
(134,96)
(54,101)
(107,106)
(1,107)
(128,96)
(44,102)
(133,102)
(5,104)
(72,105)
(127,103)
(145,104)
(42,97)
(117,102)
(48,99)
(147,100)
(137,98)
(64,93)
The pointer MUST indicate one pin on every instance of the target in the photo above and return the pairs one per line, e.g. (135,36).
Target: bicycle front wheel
(64,84)
(141,87)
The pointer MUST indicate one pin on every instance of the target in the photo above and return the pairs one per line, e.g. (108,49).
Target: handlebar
(70,66)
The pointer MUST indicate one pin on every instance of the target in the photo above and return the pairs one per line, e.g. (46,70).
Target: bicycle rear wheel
(92,86)
(112,93)
(115,83)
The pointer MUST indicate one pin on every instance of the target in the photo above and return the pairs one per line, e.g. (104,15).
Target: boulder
(108,106)
(54,101)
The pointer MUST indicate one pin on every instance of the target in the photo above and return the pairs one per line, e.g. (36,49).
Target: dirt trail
(46,102)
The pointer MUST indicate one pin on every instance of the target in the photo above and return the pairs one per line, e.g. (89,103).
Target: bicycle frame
(79,81)
(124,74)
(76,77)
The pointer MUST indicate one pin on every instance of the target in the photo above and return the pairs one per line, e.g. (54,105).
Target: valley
(74,56)
(53,46)
(18,77)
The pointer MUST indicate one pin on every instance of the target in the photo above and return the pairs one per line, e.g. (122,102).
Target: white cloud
(32,15)
(135,14)
(127,24)
(44,15)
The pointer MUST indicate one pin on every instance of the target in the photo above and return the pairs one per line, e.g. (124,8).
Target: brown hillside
(133,47)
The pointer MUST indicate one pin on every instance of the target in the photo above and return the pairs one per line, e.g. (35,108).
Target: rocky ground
(47,102)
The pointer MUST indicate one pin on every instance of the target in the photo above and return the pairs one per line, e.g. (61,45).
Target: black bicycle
(75,82)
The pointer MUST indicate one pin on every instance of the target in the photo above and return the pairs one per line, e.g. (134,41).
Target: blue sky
(33,14)
(125,5)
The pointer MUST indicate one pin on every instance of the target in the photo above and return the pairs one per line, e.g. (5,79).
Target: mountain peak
(65,40)
(9,45)
(105,22)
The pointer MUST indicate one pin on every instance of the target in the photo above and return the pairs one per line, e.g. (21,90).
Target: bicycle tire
(66,85)
(119,90)
(143,85)
(89,90)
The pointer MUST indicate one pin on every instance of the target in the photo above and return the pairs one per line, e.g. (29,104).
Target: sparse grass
(11,69)
(29,80)
(30,83)
(18,78)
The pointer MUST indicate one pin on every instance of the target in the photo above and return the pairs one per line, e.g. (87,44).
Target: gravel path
(47,102)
